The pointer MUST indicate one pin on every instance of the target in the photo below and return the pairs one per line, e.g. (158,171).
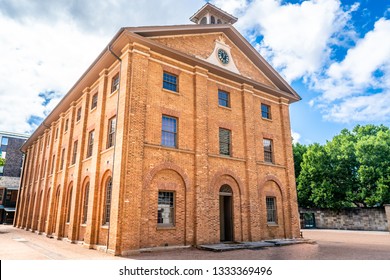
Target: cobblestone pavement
(18,244)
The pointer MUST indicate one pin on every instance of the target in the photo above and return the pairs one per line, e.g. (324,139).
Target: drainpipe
(116,125)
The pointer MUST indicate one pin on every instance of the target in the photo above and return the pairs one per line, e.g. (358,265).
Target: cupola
(210,14)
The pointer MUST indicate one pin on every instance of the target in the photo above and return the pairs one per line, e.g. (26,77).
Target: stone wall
(349,219)
(9,182)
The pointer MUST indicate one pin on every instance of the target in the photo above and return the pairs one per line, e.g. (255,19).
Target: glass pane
(223,98)
(169,82)
(4,141)
(165,208)
(265,111)
(224,141)
(271,209)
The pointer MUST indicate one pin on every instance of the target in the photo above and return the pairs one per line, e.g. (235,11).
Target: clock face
(223,56)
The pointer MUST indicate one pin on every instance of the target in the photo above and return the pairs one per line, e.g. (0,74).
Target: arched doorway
(226,213)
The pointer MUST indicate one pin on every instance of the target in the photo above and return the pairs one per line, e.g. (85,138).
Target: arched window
(107,202)
(212,20)
(68,205)
(203,20)
(85,204)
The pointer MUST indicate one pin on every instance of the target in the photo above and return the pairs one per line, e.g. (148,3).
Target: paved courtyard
(17,244)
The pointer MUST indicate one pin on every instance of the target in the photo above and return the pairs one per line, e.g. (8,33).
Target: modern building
(175,135)
(10,173)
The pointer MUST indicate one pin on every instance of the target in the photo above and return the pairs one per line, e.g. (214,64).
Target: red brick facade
(53,188)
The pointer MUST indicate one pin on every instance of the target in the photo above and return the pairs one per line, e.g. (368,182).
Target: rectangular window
(169,132)
(78,114)
(62,159)
(111,132)
(115,83)
(166,208)
(271,209)
(225,142)
(223,98)
(4,141)
(56,137)
(94,101)
(53,161)
(268,157)
(170,81)
(265,111)
(66,124)
(90,143)
(74,156)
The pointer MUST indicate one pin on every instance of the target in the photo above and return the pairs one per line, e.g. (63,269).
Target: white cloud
(296,137)
(300,39)
(361,82)
(39,58)
(356,72)
(361,109)
(297,38)
(47,45)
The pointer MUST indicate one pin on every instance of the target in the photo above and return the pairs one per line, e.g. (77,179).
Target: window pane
(115,83)
(111,132)
(85,209)
(165,208)
(94,101)
(4,141)
(169,131)
(78,114)
(271,209)
(265,111)
(267,143)
(223,99)
(169,82)
(224,141)
(107,206)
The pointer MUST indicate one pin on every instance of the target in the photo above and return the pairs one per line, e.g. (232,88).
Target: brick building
(175,135)
(10,144)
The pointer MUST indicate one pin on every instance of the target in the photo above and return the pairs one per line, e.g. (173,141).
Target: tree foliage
(353,169)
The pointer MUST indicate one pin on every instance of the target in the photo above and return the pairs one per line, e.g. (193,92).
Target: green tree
(353,169)
(2,160)
(298,150)
(373,154)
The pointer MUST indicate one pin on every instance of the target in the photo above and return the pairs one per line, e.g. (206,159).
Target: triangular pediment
(210,47)
(202,42)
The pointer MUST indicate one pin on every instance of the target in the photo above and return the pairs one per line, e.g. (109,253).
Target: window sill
(105,226)
(168,227)
(270,164)
(93,109)
(224,107)
(227,157)
(113,93)
(107,150)
(265,119)
(272,224)
(168,148)
(87,159)
(171,91)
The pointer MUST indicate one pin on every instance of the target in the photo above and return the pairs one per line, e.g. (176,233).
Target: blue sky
(335,53)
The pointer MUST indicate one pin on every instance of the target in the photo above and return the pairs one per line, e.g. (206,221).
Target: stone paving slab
(220,247)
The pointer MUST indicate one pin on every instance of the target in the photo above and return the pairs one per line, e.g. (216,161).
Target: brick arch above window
(169,166)
(274,179)
(226,177)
